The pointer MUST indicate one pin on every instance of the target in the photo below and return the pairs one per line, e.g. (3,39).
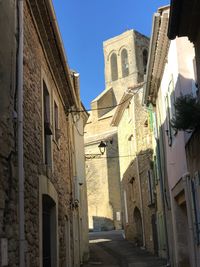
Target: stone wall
(102,172)
(8,178)
(56,179)
(36,68)
(134,173)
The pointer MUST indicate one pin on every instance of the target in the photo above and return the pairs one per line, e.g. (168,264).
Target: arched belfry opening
(114,67)
(125,63)
(145,59)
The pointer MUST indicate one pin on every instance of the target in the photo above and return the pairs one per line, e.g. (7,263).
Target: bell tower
(125,58)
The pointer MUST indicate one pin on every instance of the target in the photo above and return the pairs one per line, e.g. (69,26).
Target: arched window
(145,59)
(114,68)
(124,62)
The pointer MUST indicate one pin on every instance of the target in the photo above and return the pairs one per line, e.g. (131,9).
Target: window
(132,188)
(151,187)
(124,62)
(49,231)
(47,127)
(57,131)
(114,68)
(145,59)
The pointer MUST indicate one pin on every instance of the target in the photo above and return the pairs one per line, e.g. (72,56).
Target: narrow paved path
(110,249)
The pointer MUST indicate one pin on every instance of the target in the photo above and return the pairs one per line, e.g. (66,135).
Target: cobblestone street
(110,249)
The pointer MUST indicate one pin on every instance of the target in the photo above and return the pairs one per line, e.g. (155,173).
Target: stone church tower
(125,65)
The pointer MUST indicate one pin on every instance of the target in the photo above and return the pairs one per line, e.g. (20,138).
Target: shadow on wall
(113,172)
(139,176)
(102,224)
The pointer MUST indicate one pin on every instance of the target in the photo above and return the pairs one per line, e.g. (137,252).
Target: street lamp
(102,147)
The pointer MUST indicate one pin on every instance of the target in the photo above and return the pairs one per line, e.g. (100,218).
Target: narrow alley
(110,249)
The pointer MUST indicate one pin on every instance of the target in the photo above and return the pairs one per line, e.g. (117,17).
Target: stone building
(80,215)
(136,169)
(125,59)
(43,211)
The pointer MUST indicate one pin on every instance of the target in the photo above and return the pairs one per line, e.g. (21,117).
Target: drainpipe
(163,202)
(20,151)
(139,182)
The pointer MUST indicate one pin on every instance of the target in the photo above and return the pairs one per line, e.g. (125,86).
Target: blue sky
(85,24)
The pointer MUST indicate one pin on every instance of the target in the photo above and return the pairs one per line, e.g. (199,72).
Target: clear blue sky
(85,24)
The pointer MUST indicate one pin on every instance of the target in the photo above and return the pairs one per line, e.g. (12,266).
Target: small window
(145,59)
(114,67)
(132,189)
(124,62)
(57,131)
(47,127)
(47,111)
(130,146)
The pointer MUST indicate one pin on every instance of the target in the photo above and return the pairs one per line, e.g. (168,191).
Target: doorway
(138,226)
(49,242)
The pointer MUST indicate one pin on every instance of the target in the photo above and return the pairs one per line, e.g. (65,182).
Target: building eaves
(118,37)
(184,19)
(45,19)
(159,45)
(101,95)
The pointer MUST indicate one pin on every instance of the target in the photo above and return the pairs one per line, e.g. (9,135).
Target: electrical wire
(76,126)
(99,156)
(108,107)
(85,110)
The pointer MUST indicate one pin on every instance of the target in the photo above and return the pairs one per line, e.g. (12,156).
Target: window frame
(56,122)
(47,147)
